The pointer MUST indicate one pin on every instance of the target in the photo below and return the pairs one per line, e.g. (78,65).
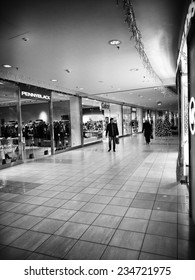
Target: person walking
(147,129)
(112,132)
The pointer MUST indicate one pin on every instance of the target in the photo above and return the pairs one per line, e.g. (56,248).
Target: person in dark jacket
(112,132)
(147,129)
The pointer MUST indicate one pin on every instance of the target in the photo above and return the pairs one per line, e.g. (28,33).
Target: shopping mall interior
(66,69)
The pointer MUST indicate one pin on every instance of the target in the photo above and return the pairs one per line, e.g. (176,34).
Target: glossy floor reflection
(91,204)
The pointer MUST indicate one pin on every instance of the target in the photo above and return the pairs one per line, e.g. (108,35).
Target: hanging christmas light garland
(130,19)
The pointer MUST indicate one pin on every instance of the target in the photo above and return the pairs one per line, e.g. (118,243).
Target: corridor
(91,204)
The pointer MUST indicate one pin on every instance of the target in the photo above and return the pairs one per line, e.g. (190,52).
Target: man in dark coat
(112,132)
(147,129)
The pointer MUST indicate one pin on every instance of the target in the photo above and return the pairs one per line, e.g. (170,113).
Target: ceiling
(68,41)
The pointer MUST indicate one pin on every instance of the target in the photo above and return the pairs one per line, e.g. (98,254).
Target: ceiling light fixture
(114,42)
(159,103)
(25,39)
(54,80)
(68,71)
(6,66)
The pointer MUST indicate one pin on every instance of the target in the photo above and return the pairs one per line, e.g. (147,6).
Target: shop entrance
(10,144)
(35,122)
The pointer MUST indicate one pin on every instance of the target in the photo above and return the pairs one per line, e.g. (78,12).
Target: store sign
(192,115)
(25,94)
(105,105)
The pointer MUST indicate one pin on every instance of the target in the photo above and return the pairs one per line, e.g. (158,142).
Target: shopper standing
(147,129)
(112,132)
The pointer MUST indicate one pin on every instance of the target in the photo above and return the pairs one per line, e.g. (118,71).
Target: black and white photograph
(97,138)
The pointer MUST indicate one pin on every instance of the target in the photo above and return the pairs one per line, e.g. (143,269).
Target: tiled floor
(91,204)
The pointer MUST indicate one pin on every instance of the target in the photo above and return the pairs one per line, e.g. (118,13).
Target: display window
(134,121)
(61,121)
(94,121)
(127,128)
(35,121)
(10,144)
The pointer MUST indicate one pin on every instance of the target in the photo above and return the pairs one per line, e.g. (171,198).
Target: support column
(51,124)
(19,117)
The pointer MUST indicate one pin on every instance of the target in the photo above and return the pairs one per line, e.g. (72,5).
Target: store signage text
(105,105)
(192,115)
(35,95)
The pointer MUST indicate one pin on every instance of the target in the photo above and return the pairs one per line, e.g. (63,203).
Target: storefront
(127,128)
(11,150)
(96,116)
(36,122)
(191,99)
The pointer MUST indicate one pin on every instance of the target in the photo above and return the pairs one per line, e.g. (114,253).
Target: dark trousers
(112,139)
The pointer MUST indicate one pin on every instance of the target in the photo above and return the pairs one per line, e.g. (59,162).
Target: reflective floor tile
(145,196)
(162,228)
(84,217)
(73,204)
(7,218)
(83,250)
(160,245)
(10,234)
(62,214)
(127,239)
(55,202)
(98,234)
(7,205)
(165,206)
(114,253)
(107,192)
(138,213)
(164,216)
(26,222)
(42,211)
(48,226)
(121,201)
(107,221)
(115,210)
(30,240)
(101,199)
(143,204)
(10,253)
(93,207)
(167,198)
(49,193)
(83,197)
(148,256)
(126,194)
(132,224)
(24,208)
(56,246)
(37,256)
(38,200)
(72,230)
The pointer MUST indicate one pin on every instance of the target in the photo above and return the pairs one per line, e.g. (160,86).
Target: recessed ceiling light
(25,39)
(6,66)
(68,71)
(114,42)
(54,80)
(159,103)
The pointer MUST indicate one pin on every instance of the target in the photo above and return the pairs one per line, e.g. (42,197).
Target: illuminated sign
(192,115)
(35,95)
